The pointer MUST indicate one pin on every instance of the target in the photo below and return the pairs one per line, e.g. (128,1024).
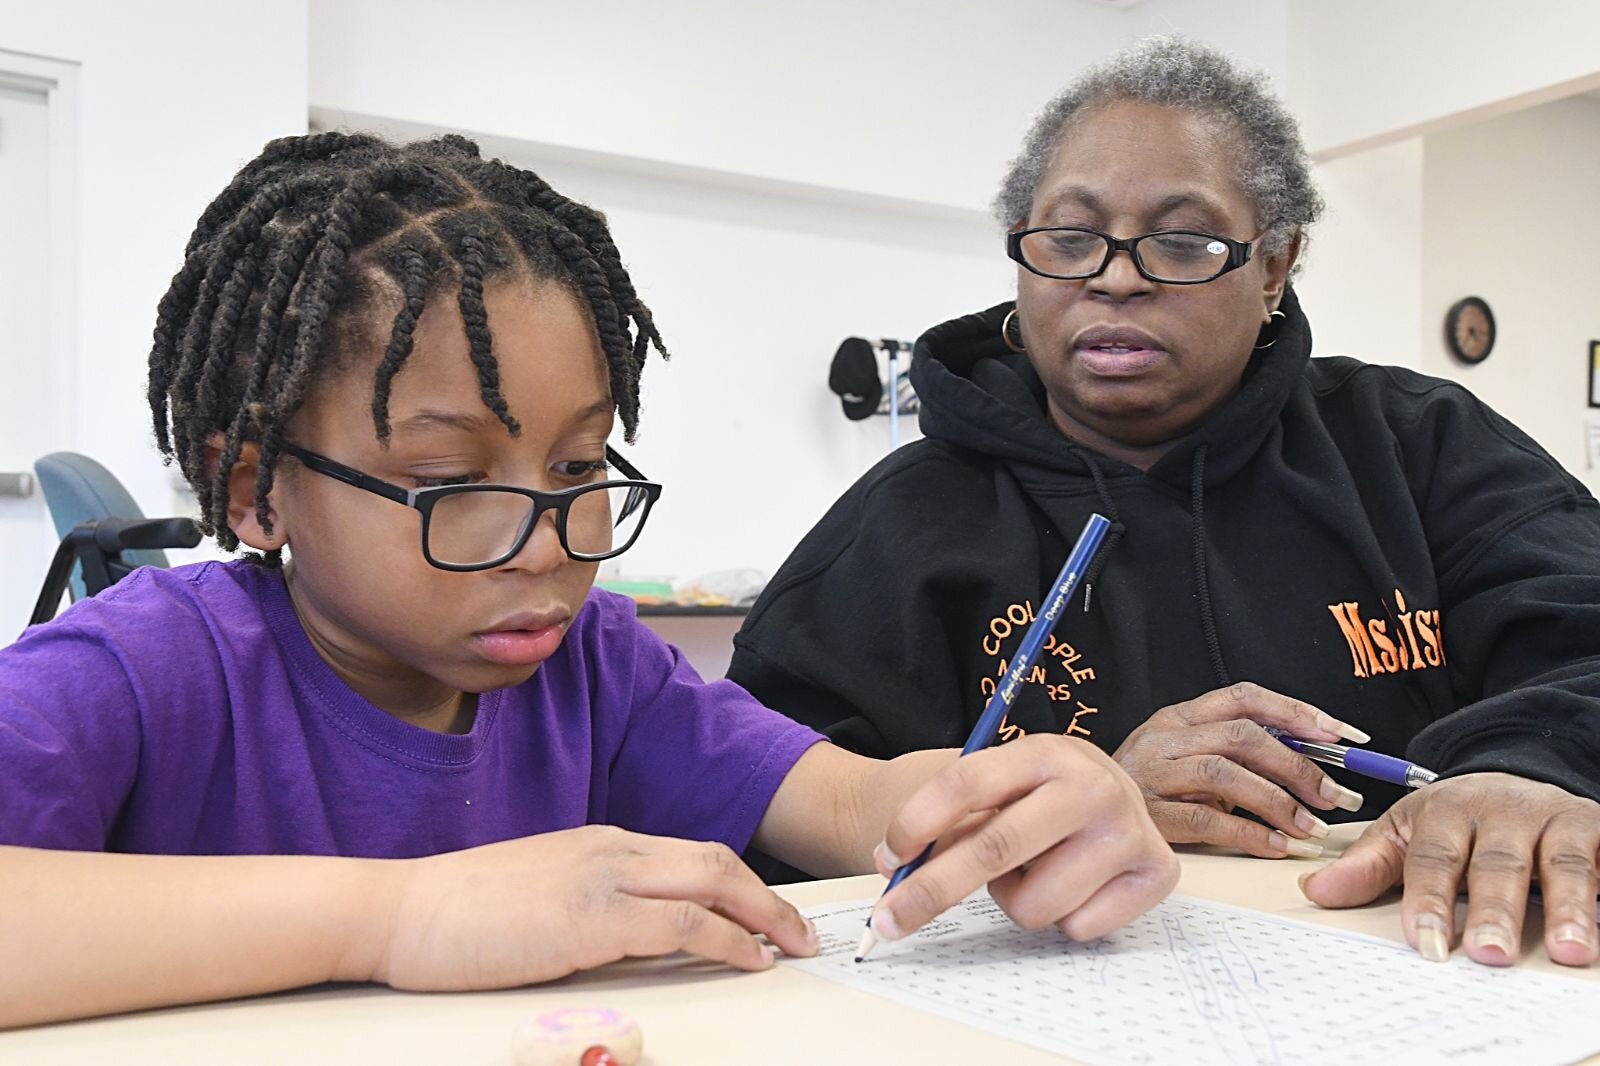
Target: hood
(978,394)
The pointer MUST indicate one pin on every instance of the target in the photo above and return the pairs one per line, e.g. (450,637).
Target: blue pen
(1366,763)
(983,733)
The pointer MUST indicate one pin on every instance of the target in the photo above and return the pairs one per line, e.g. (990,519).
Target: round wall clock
(1469,330)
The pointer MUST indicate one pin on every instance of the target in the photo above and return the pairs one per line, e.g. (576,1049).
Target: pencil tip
(868,942)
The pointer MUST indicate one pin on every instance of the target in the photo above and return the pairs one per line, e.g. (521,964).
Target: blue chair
(77,490)
(104,534)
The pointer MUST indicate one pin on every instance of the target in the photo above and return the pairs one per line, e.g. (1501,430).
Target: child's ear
(242,518)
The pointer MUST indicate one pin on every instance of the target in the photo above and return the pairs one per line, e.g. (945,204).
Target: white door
(31,421)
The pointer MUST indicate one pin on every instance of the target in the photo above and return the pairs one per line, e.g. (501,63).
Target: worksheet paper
(1200,982)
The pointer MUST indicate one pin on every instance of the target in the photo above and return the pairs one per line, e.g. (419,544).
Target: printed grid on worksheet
(1199,982)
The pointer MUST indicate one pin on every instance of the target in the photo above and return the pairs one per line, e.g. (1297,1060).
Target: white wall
(1361,280)
(174,96)
(1255,32)
(921,101)
(753,292)
(1365,72)
(1447,132)
(1510,216)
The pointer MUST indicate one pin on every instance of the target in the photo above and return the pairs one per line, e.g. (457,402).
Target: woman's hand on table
(1492,833)
(1196,762)
(1058,833)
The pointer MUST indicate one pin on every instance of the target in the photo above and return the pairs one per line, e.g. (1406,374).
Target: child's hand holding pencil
(1055,829)
(1058,833)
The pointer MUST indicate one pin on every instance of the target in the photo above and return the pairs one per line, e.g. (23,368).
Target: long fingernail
(811,935)
(1341,797)
(1304,849)
(1343,729)
(1301,881)
(1432,941)
(1573,933)
(883,925)
(1495,938)
(768,955)
(1310,823)
(888,857)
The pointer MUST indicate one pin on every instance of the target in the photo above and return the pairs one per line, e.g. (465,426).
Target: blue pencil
(988,724)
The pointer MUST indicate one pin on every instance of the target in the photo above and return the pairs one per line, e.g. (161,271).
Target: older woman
(1323,546)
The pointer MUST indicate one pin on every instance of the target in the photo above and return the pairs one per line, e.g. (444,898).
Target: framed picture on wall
(1594,373)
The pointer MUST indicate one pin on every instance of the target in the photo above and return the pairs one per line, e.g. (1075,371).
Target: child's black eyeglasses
(478,527)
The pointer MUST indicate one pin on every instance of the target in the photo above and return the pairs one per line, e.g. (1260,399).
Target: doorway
(38,205)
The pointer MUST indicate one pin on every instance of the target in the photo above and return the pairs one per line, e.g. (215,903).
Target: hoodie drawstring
(1202,585)
(1113,534)
(1197,537)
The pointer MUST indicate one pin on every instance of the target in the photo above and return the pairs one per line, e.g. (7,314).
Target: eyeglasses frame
(1239,252)
(423,501)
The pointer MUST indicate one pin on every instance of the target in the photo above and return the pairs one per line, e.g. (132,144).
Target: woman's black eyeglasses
(1171,257)
(478,527)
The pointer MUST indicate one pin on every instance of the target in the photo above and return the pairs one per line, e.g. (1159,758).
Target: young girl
(419,749)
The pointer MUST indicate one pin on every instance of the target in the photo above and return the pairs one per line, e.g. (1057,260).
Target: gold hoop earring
(1005,332)
(1275,332)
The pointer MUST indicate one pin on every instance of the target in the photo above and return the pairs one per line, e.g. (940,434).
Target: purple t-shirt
(185,711)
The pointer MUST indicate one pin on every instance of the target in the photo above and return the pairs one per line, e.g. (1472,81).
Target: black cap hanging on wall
(854,377)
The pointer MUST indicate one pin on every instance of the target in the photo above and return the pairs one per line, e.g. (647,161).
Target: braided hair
(318,231)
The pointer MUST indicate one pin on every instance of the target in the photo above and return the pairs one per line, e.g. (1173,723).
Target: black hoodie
(1378,543)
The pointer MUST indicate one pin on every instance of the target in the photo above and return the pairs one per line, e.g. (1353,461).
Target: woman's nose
(1120,280)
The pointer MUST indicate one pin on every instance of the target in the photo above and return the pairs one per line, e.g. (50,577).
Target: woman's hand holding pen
(1197,761)
(541,907)
(1492,832)
(1049,823)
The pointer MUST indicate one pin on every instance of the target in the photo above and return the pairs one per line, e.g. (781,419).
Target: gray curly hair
(1274,170)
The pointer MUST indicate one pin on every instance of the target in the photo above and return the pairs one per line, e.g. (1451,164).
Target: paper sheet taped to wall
(1199,982)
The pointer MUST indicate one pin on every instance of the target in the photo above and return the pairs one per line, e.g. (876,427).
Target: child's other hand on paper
(531,910)
(1056,830)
